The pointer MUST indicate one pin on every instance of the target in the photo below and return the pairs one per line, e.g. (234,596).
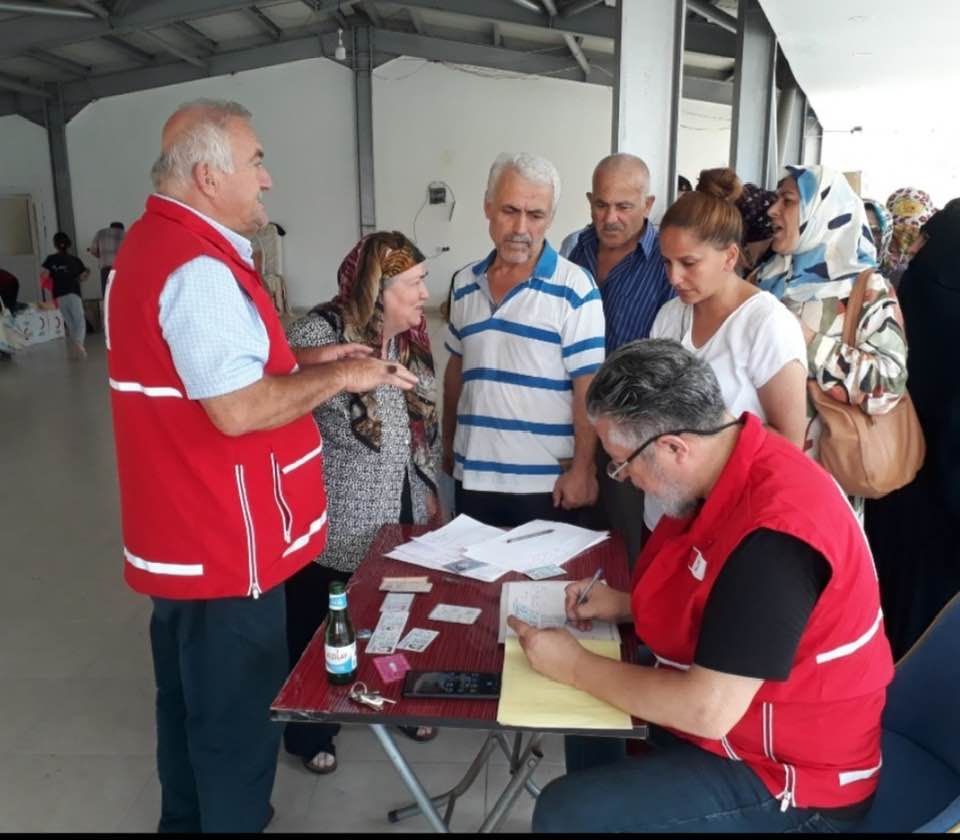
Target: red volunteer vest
(204,515)
(813,740)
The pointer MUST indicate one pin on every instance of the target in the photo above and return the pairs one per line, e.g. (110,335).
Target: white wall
(25,170)
(704,138)
(303,114)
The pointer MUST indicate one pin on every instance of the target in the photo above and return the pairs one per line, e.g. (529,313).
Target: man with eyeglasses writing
(756,595)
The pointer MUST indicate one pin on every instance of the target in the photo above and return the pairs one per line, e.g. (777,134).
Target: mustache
(520,238)
(613,228)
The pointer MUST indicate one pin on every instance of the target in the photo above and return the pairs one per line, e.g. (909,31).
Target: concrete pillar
(60,167)
(363,103)
(646,89)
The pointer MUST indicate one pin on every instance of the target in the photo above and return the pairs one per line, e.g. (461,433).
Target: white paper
(417,640)
(559,543)
(454,614)
(394,601)
(543,604)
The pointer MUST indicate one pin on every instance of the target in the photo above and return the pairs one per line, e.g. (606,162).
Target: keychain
(359,693)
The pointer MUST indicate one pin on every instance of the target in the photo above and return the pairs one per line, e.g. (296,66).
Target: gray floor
(77,734)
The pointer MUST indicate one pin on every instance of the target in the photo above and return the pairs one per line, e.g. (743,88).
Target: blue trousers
(218,665)
(676,787)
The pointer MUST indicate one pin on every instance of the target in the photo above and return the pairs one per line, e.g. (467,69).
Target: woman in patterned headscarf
(911,209)
(881,228)
(381,448)
(822,244)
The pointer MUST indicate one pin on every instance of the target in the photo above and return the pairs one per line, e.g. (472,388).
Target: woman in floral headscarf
(822,244)
(381,448)
(881,228)
(911,209)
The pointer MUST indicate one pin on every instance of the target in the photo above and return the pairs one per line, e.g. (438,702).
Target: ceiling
(872,63)
(110,47)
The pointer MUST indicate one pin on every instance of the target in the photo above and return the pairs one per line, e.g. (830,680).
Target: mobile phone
(470,685)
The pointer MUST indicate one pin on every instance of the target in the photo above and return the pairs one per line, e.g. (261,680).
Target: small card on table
(543,572)
(417,640)
(397,601)
(454,614)
(406,584)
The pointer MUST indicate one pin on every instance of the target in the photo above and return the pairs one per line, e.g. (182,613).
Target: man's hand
(361,375)
(576,488)
(603,604)
(331,353)
(552,652)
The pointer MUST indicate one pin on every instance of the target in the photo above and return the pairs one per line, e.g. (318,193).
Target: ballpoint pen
(527,536)
(583,595)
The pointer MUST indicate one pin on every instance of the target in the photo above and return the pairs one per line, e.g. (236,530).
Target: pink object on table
(392,668)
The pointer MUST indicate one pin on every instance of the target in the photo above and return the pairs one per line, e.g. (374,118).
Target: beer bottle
(340,642)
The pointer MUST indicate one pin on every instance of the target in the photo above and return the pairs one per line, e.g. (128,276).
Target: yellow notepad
(532,700)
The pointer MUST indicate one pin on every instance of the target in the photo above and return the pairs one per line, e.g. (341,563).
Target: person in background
(915,530)
(683,184)
(881,228)
(621,249)
(754,205)
(104,247)
(754,346)
(910,210)
(66,273)
(820,249)
(9,290)
(526,334)
(758,600)
(268,259)
(381,447)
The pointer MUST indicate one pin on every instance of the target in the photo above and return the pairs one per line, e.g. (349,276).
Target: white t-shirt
(755,342)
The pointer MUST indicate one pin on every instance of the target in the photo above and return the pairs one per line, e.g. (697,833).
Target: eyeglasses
(615,468)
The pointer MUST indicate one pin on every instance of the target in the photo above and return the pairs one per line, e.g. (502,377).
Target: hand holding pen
(585,601)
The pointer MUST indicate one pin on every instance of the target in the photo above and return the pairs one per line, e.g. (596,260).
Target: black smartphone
(470,685)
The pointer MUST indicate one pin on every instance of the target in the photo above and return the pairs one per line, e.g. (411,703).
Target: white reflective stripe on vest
(155,568)
(146,390)
(852,776)
(301,541)
(301,461)
(851,647)
(671,663)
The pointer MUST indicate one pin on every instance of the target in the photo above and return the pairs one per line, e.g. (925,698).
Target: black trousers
(218,665)
(508,510)
(618,508)
(104,274)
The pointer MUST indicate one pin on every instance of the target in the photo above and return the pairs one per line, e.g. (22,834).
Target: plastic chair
(919,787)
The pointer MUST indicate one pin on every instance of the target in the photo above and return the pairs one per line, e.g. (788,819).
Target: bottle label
(338,601)
(341,659)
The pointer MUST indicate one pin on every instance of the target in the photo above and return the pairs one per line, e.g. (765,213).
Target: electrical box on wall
(437,193)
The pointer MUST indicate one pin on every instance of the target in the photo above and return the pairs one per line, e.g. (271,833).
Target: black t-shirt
(65,269)
(759,606)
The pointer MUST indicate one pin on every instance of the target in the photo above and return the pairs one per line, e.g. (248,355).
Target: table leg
(529,762)
(409,778)
(451,796)
(531,786)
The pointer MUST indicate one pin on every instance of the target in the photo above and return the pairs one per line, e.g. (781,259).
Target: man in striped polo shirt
(526,334)
(621,250)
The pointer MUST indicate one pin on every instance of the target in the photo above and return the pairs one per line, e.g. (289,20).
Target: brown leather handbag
(870,455)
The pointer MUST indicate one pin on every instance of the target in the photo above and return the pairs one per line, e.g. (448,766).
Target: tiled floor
(76,733)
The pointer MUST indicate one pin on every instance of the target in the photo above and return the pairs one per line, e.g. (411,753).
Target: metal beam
(706,9)
(527,4)
(370,10)
(264,23)
(74,68)
(707,90)
(93,6)
(574,46)
(10,83)
(417,20)
(790,110)
(196,36)
(579,6)
(176,52)
(59,165)
(44,10)
(812,138)
(709,39)
(753,152)
(363,102)
(141,56)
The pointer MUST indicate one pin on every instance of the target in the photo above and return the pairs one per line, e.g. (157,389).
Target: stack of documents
(470,548)
(542,604)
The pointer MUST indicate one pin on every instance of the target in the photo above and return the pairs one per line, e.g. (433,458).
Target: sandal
(323,769)
(420,733)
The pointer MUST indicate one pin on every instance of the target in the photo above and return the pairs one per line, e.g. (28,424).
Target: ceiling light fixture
(340,53)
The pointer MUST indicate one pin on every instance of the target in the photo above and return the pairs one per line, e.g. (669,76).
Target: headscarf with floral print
(911,209)
(356,315)
(885,229)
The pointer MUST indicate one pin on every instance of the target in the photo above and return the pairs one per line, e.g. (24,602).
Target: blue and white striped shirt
(515,415)
(635,288)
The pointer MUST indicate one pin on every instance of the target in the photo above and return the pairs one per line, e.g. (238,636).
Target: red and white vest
(204,515)
(814,740)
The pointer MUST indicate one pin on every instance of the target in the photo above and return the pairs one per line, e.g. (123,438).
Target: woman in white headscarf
(822,243)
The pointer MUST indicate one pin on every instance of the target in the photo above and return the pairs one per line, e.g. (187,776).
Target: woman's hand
(331,353)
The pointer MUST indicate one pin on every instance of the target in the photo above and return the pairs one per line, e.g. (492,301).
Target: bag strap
(851,318)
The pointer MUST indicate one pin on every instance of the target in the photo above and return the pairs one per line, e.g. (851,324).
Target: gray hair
(533,168)
(206,141)
(653,386)
(624,161)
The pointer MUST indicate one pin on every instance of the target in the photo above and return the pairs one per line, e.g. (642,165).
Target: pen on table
(527,536)
(586,591)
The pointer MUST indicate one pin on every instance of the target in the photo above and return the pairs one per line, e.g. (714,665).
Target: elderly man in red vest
(758,599)
(219,461)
